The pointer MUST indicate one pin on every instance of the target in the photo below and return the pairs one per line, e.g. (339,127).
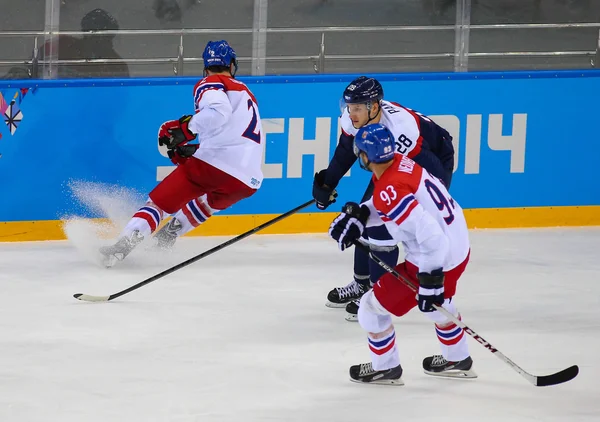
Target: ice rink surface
(243,335)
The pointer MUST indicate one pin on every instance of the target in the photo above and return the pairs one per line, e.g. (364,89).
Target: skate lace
(133,240)
(438,360)
(350,289)
(365,369)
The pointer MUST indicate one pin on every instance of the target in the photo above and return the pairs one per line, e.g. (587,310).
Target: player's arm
(433,164)
(326,180)
(343,159)
(213,108)
(437,152)
(407,220)
(445,151)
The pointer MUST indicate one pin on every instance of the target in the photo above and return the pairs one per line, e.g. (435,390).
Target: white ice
(243,335)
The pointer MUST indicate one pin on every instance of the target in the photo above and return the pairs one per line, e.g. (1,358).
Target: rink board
(525,145)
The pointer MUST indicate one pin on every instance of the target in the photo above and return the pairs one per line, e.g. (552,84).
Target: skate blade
(397,382)
(351,317)
(470,374)
(335,305)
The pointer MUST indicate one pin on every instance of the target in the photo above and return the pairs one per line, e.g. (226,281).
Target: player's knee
(372,317)
(384,334)
(440,318)
(151,203)
(163,203)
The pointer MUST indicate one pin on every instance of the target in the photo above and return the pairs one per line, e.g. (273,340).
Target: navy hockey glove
(175,132)
(431,290)
(181,153)
(348,227)
(323,194)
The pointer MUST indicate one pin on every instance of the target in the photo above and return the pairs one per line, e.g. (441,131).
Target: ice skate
(352,310)
(165,238)
(438,366)
(123,247)
(340,296)
(364,373)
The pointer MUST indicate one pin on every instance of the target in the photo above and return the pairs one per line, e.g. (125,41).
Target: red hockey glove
(175,132)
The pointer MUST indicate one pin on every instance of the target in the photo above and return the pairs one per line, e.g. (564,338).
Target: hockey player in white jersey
(415,135)
(223,168)
(418,212)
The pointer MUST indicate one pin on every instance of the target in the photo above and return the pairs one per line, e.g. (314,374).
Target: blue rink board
(524,139)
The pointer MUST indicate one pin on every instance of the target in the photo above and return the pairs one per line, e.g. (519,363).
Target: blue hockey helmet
(363,90)
(219,53)
(376,141)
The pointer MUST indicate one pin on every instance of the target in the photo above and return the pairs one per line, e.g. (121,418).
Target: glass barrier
(355,37)
(121,38)
(16,50)
(533,34)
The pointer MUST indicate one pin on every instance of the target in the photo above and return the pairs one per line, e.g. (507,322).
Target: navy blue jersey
(417,136)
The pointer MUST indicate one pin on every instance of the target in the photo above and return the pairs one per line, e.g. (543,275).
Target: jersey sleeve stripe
(401,207)
(417,149)
(383,217)
(406,214)
(201,89)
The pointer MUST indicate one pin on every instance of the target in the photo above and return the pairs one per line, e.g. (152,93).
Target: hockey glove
(431,290)
(323,194)
(349,225)
(175,132)
(181,153)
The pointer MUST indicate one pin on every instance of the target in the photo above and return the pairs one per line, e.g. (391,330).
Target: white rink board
(244,335)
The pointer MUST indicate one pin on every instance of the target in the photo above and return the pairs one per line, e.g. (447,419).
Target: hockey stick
(90,298)
(539,381)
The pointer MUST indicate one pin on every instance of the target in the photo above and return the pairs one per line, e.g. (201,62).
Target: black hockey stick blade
(91,298)
(543,381)
(558,378)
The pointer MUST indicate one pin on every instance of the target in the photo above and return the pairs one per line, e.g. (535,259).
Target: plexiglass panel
(551,47)
(302,36)
(20,16)
(393,49)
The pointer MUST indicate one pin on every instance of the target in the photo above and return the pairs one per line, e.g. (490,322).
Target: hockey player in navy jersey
(415,135)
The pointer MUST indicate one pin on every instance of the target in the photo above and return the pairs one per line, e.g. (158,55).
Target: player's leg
(193,214)
(398,299)
(385,248)
(167,197)
(222,191)
(389,296)
(339,297)
(454,360)
(384,367)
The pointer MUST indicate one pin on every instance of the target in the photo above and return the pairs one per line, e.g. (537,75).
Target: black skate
(364,373)
(340,296)
(165,238)
(118,251)
(352,310)
(438,366)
